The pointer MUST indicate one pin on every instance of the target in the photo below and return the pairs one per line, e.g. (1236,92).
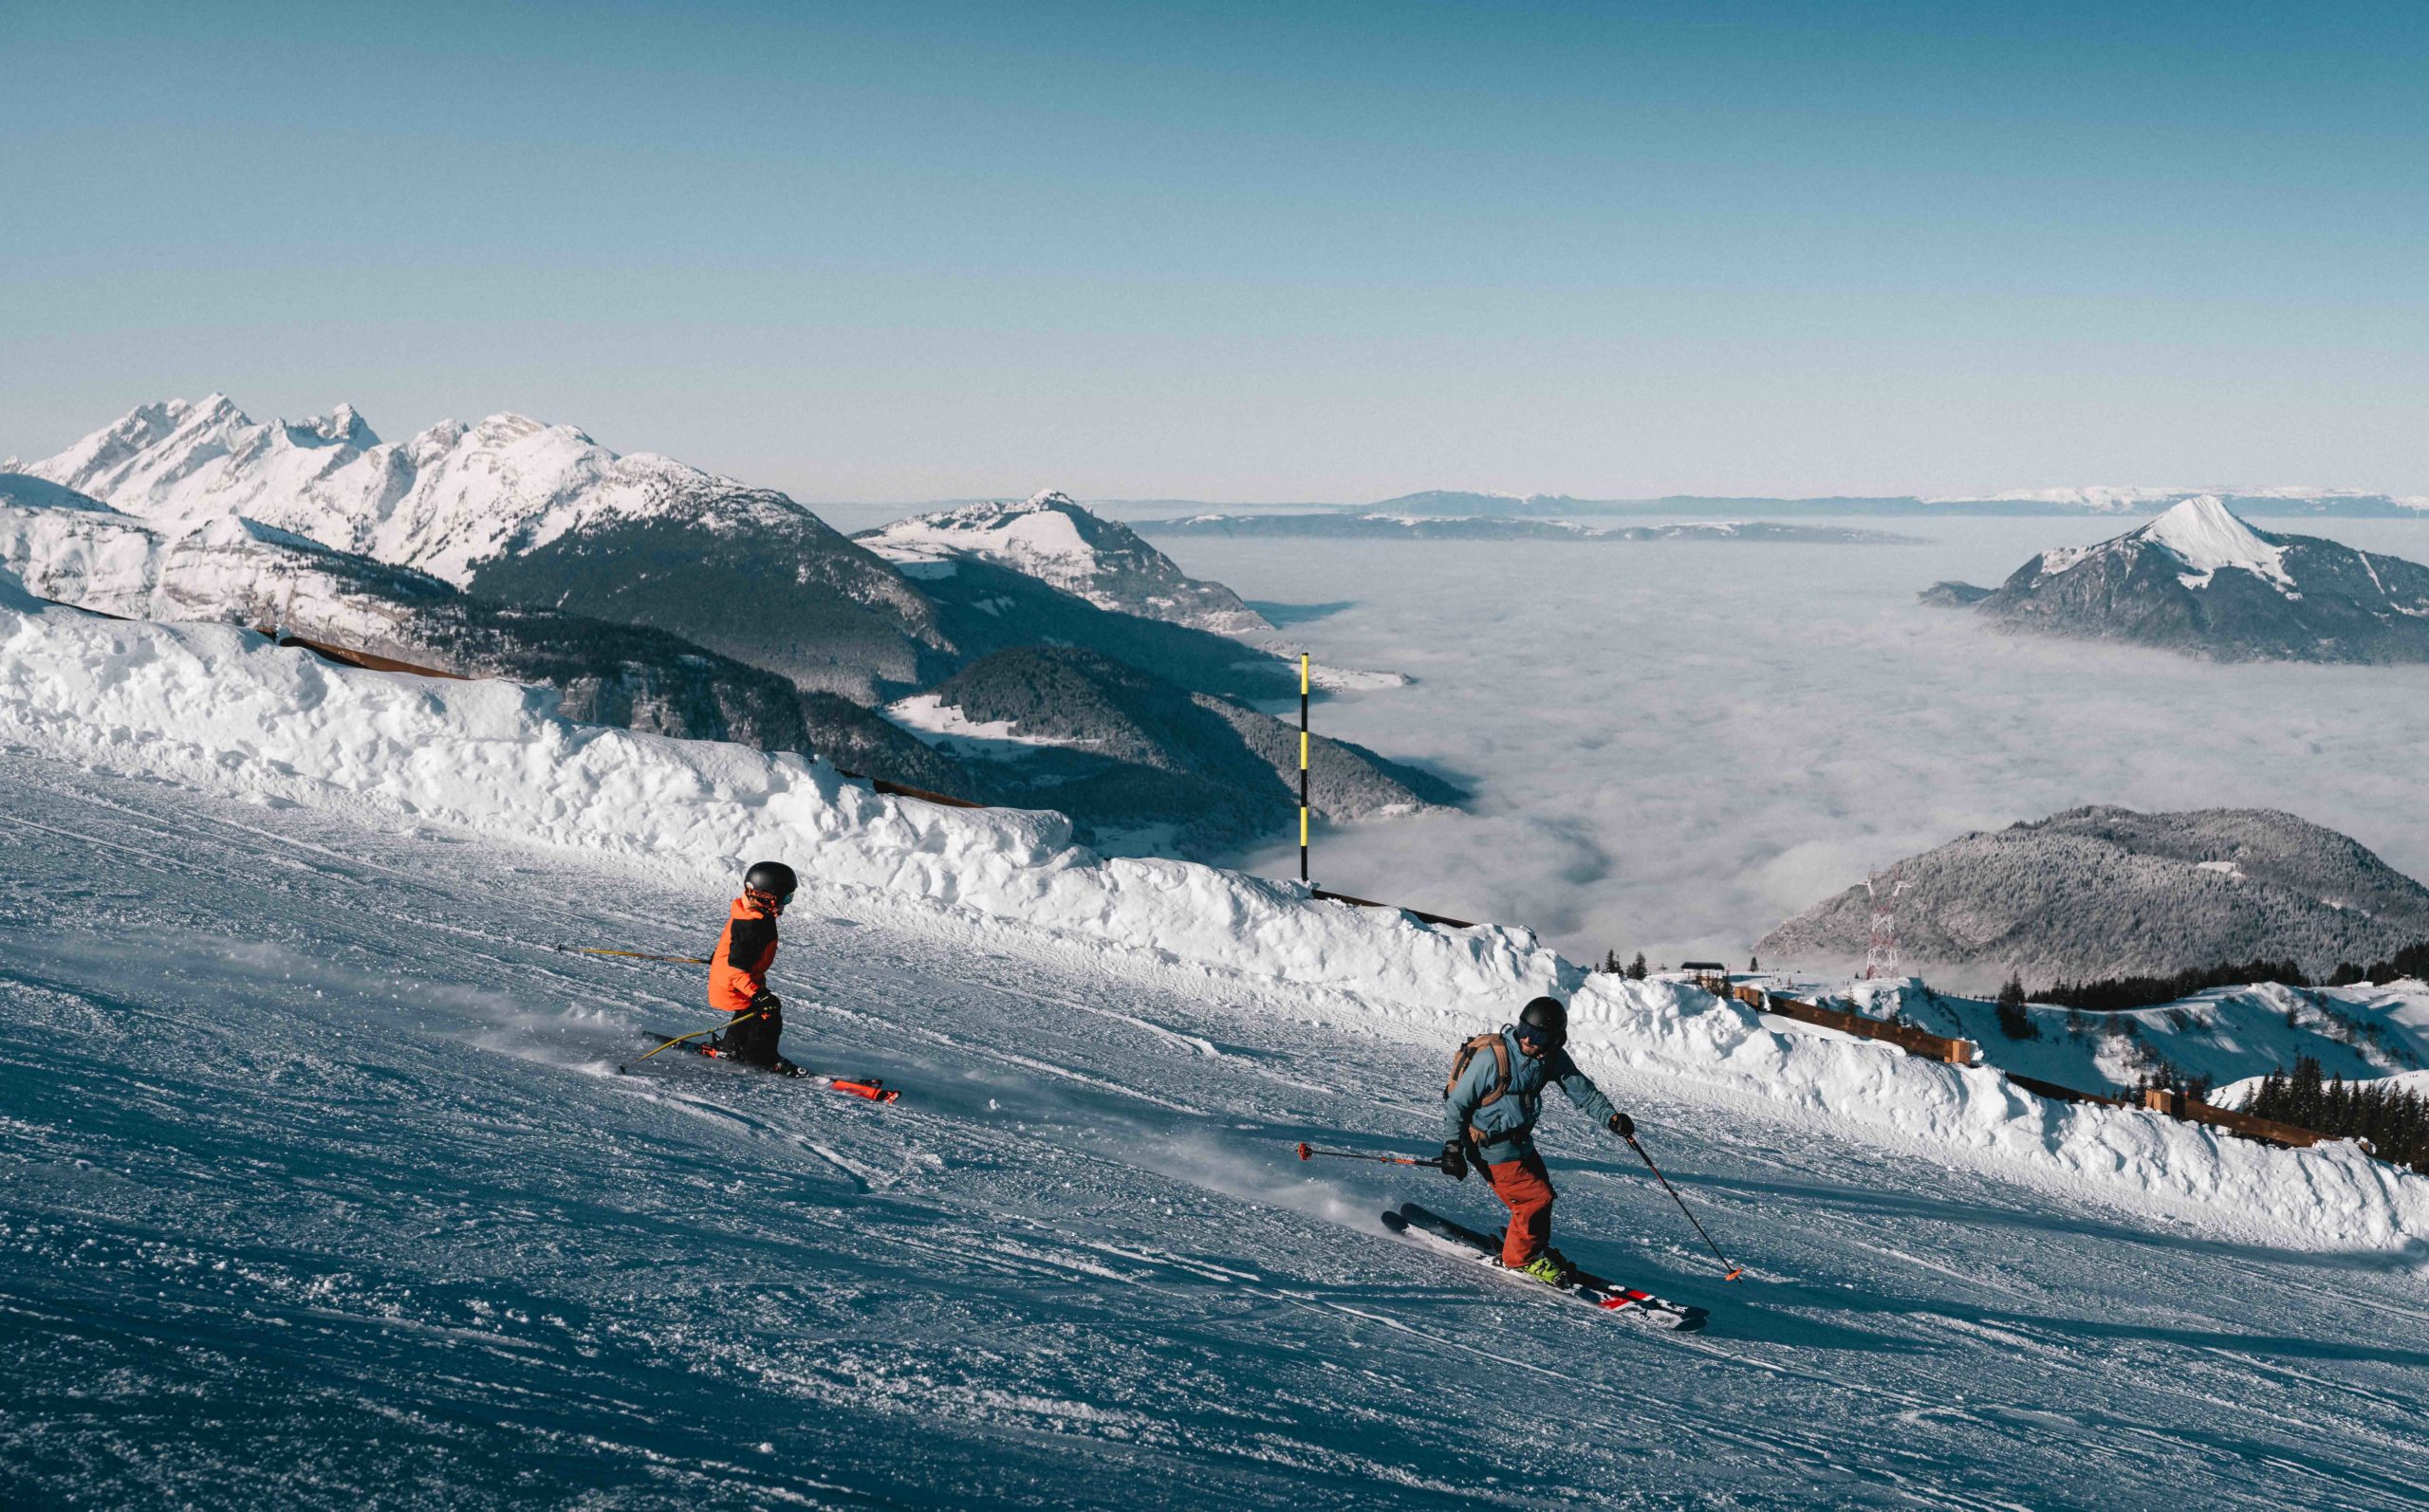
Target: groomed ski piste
(323,1187)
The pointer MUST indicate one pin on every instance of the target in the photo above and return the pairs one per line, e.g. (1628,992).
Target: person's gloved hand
(1624,1126)
(767,1003)
(1454,1160)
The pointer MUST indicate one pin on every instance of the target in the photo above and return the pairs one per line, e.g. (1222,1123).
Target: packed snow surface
(323,1190)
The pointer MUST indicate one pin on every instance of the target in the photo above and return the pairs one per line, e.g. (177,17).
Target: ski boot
(1551,1268)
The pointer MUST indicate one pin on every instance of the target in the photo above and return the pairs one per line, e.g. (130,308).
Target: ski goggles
(1532,1037)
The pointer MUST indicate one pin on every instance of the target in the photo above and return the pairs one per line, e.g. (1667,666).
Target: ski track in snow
(322,1190)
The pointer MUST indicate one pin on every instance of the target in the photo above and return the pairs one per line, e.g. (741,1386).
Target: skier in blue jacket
(1490,1107)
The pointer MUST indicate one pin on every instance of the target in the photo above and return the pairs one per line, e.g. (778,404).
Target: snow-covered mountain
(454,496)
(229,570)
(2106,499)
(1050,538)
(2105,892)
(535,514)
(2199,579)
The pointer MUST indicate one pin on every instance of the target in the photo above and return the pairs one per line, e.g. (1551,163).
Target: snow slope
(2223,1035)
(323,1190)
(219,707)
(2201,534)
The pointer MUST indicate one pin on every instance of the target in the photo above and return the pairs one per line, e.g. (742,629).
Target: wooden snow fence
(1914,1041)
(2268,1131)
(2187,1109)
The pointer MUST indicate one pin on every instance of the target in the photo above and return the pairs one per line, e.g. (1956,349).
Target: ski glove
(1624,1126)
(1454,1160)
(767,1001)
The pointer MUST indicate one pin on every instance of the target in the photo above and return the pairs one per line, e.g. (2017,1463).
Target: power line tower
(1881,954)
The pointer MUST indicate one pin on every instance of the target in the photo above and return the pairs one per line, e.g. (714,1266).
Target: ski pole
(694,1035)
(1310,1152)
(631,955)
(1735,1271)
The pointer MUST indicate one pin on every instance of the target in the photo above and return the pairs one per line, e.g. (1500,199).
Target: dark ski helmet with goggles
(1543,1021)
(772,880)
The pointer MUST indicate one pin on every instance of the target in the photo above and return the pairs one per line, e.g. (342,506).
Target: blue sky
(1292,252)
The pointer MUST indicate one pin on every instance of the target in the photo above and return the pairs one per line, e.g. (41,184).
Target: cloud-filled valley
(1675,746)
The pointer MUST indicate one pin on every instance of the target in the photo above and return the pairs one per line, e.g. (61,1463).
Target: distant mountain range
(2105,891)
(2346,503)
(649,593)
(2200,579)
(1373,526)
(2325,502)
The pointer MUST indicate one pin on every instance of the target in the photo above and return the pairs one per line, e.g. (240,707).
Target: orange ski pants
(1526,1188)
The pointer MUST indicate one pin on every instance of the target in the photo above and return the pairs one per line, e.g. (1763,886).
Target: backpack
(1468,1052)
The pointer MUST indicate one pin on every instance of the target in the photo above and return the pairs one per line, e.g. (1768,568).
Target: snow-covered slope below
(1057,540)
(323,1192)
(2219,1037)
(218,707)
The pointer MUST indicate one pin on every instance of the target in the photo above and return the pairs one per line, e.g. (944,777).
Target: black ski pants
(752,1038)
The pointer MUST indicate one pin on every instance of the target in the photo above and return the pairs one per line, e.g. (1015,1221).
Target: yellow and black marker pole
(1303,767)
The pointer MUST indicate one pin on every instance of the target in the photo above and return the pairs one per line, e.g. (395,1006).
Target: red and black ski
(868,1089)
(1629,1302)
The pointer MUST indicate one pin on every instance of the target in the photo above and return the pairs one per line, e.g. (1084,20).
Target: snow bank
(2333,1195)
(219,707)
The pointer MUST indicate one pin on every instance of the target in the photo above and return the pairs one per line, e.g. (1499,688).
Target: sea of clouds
(1674,746)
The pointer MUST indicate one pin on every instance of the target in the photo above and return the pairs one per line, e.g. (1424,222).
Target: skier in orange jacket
(738,969)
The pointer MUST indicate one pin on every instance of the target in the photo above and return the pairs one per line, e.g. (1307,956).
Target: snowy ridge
(216,708)
(2202,533)
(452,496)
(1056,541)
(225,570)
(2205,537)
(2127,499)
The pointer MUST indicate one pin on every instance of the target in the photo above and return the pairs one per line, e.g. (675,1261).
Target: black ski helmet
(774,878)
(1548,1016)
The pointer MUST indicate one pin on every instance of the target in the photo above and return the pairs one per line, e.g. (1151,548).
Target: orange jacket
(738,966)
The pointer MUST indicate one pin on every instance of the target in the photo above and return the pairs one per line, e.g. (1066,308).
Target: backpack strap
(1499,1045)
(1468,1052)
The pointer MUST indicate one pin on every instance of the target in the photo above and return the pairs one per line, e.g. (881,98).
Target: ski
(868,1089)
(1629,1302)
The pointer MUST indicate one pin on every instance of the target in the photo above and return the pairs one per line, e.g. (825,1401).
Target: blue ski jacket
(1503,1129)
